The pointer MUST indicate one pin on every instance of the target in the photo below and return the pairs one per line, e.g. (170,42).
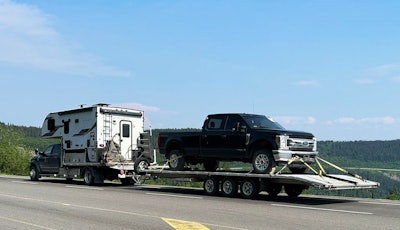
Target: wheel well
(172,146)
(261,144)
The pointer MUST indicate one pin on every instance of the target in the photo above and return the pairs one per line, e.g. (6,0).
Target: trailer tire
(294,190)
(273,189)
(211,186)
(176,161)
(249,188)
(262,161)
(34,173)
(229,187)
(88,176)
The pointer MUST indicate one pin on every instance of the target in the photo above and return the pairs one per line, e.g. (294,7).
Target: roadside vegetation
(382,158)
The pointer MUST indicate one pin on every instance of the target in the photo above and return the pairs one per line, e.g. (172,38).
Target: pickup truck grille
(297,144)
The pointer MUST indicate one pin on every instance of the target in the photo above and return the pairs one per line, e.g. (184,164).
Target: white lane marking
(381,203)
(84,187)
(23,182)
(170,195)
(322,209)
(25,223)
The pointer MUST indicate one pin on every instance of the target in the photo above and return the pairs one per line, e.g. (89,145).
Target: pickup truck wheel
(274,189)
(297,170)
(262,161)
(140,165)
(88,177)
(249,188)
(127,181)
(34,173)
(211,165)
(176,160)
(211,186)
(229,187)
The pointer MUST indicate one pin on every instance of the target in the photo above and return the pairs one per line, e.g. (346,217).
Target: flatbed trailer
(229,183)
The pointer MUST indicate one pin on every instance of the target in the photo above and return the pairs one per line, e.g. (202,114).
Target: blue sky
(328,67)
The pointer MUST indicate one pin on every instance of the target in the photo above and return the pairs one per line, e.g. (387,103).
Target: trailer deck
(328,181)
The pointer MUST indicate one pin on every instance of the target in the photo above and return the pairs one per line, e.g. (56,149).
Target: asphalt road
(53,204)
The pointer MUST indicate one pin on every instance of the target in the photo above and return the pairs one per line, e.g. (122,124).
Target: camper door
(126,140)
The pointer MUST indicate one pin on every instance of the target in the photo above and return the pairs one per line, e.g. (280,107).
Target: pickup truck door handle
(223,136)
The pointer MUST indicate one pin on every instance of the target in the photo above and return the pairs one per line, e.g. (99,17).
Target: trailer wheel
(88,176)
(249,188)
(262,161)
(211,186)
(229,187)
(273,189)
(34,173)
(294,190)
(176,160)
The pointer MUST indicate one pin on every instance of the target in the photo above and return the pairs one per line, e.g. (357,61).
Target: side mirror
(36,151)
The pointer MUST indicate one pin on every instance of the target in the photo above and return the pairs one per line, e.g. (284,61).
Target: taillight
(158,141)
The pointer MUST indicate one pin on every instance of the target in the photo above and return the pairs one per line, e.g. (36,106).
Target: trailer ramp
(328,181)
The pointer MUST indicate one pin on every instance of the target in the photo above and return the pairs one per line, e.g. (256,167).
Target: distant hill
(17,144)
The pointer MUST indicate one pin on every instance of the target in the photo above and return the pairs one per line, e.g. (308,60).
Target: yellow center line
(184,225)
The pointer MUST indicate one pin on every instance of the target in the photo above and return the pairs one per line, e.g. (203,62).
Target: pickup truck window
(260,121)
(232,122)
(216,123)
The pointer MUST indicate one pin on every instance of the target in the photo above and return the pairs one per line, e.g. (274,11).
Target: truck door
(126,139)
(49,161)
(213,138)
(236,137)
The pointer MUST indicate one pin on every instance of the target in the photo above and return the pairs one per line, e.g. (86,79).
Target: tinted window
(216,123)
(56,150)
(125,130)
(232,122)
(260,121)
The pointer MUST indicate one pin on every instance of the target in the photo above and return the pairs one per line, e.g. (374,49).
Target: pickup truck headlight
(315,144)
(282,142)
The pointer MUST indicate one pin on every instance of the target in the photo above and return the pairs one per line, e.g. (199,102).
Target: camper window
(51,124)
(125,130)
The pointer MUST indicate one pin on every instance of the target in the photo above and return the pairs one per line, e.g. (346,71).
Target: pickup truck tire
(176,161)
(211,165)
(249,188)
(262,161)
(34,173)
(88,176)
(211,186)
(298,170)
(229,187)
(140,165)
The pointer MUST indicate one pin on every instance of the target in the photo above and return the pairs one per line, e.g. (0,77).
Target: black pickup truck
(250,138)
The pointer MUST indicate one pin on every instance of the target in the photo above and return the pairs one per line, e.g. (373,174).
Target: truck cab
(46,162)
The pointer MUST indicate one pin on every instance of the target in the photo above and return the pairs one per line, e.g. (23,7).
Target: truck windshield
(260,121)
